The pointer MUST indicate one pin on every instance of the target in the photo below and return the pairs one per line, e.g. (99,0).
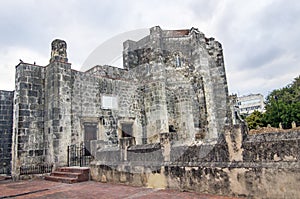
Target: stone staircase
(69,175)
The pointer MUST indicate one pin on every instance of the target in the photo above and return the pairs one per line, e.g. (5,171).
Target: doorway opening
(90,133)
(126,129)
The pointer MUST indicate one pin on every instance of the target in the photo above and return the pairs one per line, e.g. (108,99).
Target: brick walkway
(90,189)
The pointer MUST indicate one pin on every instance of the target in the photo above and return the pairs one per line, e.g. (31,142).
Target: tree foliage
(282,106)
(254,120)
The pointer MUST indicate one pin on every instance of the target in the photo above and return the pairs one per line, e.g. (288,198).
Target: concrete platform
(90,189)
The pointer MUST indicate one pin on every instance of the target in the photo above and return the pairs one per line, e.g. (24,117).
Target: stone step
(61,179)
(4,177)
(69,174)
(65,174)
(74,169)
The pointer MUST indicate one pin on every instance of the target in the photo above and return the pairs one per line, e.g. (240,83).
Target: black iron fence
(78,155)
(36,169)
(5,170)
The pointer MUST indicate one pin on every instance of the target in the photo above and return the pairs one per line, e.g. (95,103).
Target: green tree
(283,105)
(254,120)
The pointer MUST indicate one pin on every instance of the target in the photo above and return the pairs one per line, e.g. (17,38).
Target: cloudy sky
(261,39)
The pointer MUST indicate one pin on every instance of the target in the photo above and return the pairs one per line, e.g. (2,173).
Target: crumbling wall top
(59,51)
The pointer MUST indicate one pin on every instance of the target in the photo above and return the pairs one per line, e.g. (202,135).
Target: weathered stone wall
(6,129)
(87,93)
(28,127)
(171,81)
(186,60)
(167,124)
(29,103)
(215,168)
(42,112)
(253,181)
(260,182)
(272,147)
(58,111)
(85,103)
(220,107)
(149,154)
(42,115)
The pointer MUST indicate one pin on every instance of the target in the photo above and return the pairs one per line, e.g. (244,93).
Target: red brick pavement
(90,189)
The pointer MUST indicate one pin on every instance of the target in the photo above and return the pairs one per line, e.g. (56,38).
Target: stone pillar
(58,87)
(184,116)
(59,51)
(128,54)
(234,139)
(221,107)
(294,125)
(156,110)
(208,60)
(156,37)
(124,144)
(166,145)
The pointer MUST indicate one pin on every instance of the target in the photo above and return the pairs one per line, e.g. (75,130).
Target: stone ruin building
(165,115)
(172,81)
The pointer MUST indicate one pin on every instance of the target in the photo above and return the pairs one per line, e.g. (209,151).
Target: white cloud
(9,58)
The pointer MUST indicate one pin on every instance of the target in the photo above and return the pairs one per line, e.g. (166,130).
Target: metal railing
(5,170)
(36,169)
(79,155)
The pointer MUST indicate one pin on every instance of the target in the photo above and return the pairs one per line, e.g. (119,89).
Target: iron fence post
(68,156)
(80,148)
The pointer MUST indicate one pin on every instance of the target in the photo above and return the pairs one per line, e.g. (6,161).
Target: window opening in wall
(126,130)
(172,129)
(178,61)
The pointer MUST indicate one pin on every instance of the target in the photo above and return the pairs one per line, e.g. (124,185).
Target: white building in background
(249,103)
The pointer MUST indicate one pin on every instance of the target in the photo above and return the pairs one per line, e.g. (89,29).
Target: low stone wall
(272,147)
(254,166)
(254,181)
(150,154)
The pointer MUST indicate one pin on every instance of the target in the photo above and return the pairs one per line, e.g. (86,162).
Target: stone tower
(29,146)
(41,124)
(189,82)
(58,103)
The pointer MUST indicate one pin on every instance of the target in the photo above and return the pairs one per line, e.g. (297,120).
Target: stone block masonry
(164,117)
(172,81)
(57,106)
(6,124)
(29,142)
(256,166)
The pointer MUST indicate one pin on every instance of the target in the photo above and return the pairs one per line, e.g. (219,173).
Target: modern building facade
(250,103)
